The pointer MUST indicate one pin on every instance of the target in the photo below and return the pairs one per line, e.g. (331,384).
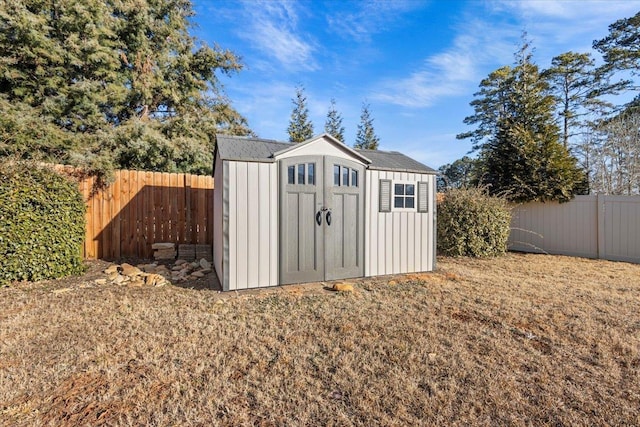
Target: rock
(161,269)
(111,269)
(179,262)
(119,280)
(176,268)
(148,268)
(61,290)
(164,254)
(392,282)
(343,287)
(195,264)
(204,263)
(100,281)
(197,274)
(138,281)
(206,270)
(156,246)
(130,270)
(113,276)
(154,280)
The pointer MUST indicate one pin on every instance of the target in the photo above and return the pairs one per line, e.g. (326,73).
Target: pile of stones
(155,274)
(183,270)
(127,274)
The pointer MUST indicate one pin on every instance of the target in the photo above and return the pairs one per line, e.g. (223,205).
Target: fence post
(600,206)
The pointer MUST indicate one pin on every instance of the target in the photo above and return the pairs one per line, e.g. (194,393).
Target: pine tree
(490,106)
(333,125)
(523,158)
(110,81)
(621,48)
(366,137)
(300,127)
(577,87)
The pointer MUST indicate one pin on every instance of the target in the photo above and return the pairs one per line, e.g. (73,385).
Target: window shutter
(385,195)
(423,197)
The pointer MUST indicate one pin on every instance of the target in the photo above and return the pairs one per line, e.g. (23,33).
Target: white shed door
(321,219)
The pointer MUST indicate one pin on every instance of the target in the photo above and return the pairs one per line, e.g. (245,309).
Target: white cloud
(370,17)
(272,28)
(454,71)
(487,37)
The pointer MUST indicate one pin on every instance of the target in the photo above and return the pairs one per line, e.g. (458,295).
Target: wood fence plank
(181,206)
(173,212)
(115,218)
(209,211)
(147,193)
(202,207)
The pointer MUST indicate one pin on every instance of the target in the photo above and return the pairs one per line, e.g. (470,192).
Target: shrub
(42,223)
(472,223)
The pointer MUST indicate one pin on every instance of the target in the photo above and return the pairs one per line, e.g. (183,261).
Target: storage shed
(318,210)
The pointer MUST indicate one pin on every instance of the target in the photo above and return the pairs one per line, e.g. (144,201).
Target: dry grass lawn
(521,340)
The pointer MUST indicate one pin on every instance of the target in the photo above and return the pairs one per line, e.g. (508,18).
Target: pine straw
(519,340)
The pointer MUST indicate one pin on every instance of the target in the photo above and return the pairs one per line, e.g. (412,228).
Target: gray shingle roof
(248,149)
(394,161)
(262,150)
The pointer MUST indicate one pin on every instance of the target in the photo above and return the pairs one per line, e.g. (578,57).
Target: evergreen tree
(575,87)
(490,105)
(459,174)
(366,137)
(522,158)
(333,125)
(300,127)
(108,81)
(621,48)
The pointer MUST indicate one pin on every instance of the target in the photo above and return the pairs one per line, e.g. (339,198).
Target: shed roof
(245,149)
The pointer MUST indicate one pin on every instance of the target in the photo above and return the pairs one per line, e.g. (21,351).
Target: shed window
(301,174)
(291,174)
(311,173)
(345,176)
(336,175)
(404,196)
(354,178)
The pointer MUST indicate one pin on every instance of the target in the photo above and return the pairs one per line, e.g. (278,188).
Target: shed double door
(321,219)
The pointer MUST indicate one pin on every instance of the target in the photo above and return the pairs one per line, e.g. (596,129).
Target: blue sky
(416,63)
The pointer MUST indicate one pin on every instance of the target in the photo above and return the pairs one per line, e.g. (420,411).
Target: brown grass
(520,340)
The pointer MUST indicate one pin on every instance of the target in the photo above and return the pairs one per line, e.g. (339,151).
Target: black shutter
(385,195)
(423,197)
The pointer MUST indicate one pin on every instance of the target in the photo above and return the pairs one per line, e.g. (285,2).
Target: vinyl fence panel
(606,227)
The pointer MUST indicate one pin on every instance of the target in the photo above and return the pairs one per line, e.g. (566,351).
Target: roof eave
(381,168)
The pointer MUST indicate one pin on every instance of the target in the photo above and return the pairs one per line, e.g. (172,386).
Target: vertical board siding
(140,208)
(252,225)
(606,227)
(397,241)
(216,210)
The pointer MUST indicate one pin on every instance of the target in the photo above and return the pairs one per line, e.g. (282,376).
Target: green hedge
(42,223)
(471,223)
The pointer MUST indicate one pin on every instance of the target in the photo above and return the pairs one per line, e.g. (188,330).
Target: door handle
(319,217)
(328,217)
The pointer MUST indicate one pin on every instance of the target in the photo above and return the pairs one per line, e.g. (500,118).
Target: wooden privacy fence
(141,208)
(606,227)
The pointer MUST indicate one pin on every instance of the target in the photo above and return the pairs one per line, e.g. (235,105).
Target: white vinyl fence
(606,227)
